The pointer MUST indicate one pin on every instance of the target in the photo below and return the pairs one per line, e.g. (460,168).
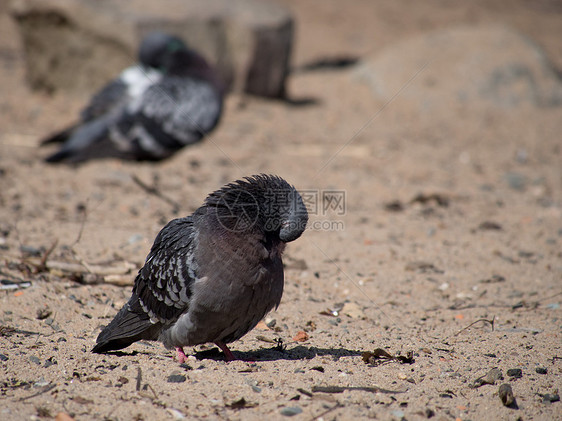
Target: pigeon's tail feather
(83,141)
(131,324)
(59,137)
(59,156)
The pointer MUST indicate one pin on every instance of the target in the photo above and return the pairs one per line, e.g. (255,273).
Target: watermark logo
(324,202)
(239,210)
(328,206)
(333,200)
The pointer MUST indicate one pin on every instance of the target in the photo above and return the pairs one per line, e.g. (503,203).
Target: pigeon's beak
(292,228)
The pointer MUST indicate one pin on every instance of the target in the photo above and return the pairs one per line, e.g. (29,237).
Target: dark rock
(490,226)
(290,411)
(516,373)
(79,45)
(491,377)
(4,357)
(541,370)
(30,250)
(43,313)
(550,397)
(176,378)
(516,180)
(49,362)
(506,395)
(494,279)
(394,206)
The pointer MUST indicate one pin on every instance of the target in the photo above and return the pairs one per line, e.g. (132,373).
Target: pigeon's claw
(182,358)
(227,352)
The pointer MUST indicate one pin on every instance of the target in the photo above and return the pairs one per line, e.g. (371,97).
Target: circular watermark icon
(238,210)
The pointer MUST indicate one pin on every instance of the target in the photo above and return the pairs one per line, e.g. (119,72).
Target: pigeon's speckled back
(170,99)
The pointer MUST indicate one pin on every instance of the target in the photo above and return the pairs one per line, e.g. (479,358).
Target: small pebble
(516,373)
(550,397)
(35,360)
(49,362)
(41,382)
(3,357)
(135,238)
(290,411)
(30,250)
(506,394)
(397,413)
(541,370)
(61,416)
(490,378)
(516,181)
(43,313)
(177,415)
(176,378)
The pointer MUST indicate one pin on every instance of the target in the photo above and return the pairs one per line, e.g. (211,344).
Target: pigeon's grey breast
(239,280)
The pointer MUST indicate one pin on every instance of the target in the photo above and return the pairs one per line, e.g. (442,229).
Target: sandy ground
(448,246)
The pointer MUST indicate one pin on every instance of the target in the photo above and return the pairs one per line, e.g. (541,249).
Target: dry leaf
(262,326)
(301,336)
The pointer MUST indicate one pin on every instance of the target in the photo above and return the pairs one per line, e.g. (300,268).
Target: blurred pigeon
(172,98)
(212,276)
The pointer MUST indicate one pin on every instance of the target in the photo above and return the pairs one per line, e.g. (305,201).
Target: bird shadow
(277,353)
(301,102)
(327,64)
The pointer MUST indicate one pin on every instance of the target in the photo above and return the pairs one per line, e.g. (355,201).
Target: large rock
(78,45)
(464,66)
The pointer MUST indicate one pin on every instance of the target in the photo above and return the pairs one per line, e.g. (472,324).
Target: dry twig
(155,192)
(477,321)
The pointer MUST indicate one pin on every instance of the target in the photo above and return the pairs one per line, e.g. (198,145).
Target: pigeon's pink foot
(227,352)
(181,355)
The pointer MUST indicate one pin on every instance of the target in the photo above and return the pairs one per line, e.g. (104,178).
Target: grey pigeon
(212,276)
(171,99)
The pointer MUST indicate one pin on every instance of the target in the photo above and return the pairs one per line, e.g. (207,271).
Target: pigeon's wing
(164,283)
(112,95)
(171,114)
(120,92)
(196,111)
(162,289)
